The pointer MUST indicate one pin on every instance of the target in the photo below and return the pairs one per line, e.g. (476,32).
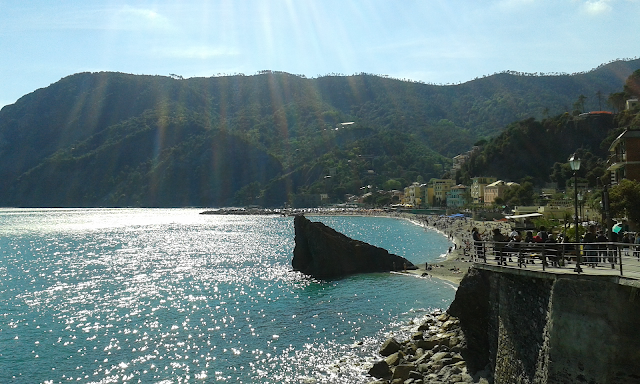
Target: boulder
(380,370)
(394,358)
(390,347)
(415,375)
(402,371)
(428,344)
(324,253)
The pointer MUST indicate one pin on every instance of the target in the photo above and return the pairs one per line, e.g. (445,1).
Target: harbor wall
(538,327)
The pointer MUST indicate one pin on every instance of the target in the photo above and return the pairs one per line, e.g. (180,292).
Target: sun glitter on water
(96,296)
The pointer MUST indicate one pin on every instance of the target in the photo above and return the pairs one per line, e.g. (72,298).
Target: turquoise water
(171,296)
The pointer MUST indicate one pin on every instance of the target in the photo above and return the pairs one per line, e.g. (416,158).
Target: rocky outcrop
(324,253)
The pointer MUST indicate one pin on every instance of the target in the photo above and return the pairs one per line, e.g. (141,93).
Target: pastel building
(437,191)
(458,196)
(414,194)
(477,188)
(495,190)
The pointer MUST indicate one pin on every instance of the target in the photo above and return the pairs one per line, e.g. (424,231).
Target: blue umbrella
(617,228)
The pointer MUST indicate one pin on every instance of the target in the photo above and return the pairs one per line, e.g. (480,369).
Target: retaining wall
(536,327)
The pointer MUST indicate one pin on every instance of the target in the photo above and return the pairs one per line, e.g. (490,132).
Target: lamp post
(580,206)
(574,162)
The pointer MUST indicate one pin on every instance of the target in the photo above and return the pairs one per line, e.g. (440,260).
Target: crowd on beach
(460,230)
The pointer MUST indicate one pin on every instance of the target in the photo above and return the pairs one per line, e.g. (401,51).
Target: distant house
(477,188)
(413,194)
(624,157)
(437,189)
(495,190)
(458,161)
(461,159)
(458,196)
(632,104)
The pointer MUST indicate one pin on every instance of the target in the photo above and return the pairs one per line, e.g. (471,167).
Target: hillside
(538,150)
(112,139)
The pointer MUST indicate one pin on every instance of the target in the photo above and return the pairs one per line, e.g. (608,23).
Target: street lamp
(580,206)
(574,162)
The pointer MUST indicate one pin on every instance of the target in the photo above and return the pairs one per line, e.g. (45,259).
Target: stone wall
(534,327)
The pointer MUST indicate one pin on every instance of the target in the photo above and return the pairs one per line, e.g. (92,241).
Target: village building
(624,157)
(436,194)
(496,190)
(477,188)
(458,196)
(414,194)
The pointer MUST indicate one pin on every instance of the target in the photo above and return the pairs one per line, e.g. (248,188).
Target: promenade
(621,260)
(615,259)
(630,274)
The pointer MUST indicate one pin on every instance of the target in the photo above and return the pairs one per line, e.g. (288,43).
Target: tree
(624,200)
(632,85)
(383,200)
(391,184)
(248,194)
(520,194)
(617,101)
(579,104)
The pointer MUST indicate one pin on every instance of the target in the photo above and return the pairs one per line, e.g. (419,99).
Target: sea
(173,296)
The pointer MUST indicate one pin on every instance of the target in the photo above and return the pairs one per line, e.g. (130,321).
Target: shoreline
(452,266)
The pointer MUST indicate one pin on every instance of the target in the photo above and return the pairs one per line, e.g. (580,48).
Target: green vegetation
(111,139)
(540,149)
(625,200)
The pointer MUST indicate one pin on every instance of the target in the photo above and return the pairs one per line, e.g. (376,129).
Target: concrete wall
(545,328)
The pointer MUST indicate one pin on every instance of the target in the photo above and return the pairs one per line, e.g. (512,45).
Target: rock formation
(324,253)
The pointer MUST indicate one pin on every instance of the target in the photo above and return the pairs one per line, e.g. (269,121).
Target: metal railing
(594,258)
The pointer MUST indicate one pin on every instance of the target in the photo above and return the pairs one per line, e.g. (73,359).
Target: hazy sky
(436,41)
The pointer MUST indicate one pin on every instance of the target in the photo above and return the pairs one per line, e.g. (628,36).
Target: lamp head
(574,162)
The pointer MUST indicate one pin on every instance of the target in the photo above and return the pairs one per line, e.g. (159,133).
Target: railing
(594,258)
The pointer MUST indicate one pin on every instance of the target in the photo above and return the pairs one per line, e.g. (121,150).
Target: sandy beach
(458,261)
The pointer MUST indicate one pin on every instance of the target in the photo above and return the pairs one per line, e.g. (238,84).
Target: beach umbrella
(617,228)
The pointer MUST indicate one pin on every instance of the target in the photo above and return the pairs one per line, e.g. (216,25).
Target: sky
(433,41)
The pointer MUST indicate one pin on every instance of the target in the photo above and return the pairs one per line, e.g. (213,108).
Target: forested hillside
(538,150)
(112,139)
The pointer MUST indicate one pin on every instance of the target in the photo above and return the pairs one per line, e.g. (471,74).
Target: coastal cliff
(324,253)
(545,328)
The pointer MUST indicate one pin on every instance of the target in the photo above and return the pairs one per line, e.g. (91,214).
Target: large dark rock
(324,253)
(380,370)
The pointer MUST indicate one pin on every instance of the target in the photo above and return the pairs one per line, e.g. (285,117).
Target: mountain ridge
(290,120)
